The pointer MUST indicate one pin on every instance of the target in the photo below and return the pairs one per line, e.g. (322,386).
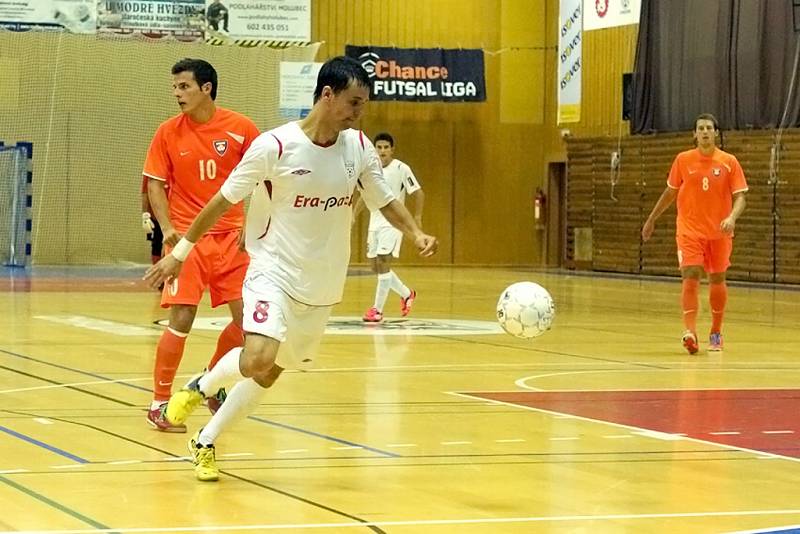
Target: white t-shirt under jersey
(298,221)
(400,180)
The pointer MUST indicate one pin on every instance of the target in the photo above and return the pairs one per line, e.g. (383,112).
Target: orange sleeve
(675,178)
(737,180)
(251,132)
(157,163)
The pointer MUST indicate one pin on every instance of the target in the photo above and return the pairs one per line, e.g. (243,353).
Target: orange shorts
(713,254)
(215,263)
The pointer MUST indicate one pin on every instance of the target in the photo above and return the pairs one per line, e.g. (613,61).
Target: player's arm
(399,217)
(169,265)
(377,195)
(157,194)
(359,205)
(418,197)
(729,223)
(664,201)
(256,165)
(147,222)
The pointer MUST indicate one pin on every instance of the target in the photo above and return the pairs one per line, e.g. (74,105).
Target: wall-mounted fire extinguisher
(539,207)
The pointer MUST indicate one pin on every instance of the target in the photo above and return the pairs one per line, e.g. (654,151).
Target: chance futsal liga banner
(423,74)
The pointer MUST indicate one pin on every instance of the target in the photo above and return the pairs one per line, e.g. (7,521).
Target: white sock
(398,286)
(157,404)
(242,400)
(225,372)
(382,290)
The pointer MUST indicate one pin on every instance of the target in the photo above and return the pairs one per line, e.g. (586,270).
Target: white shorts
(269,311)
(384,241)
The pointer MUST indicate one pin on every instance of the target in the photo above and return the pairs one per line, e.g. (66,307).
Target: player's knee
(258,358)
(181,317)
(716,278)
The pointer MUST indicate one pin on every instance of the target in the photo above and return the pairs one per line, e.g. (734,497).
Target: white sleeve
(374,189)
(255,166)
(410,182)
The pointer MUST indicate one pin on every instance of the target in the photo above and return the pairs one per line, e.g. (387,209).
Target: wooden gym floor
(431,425)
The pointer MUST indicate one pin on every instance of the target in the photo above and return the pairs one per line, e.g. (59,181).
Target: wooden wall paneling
(616,241)
(659,256)
(752,257)
(580,196)
(787,199)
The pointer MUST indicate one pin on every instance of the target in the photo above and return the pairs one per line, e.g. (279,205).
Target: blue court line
(66,368)
(58,506)
(323,436)
(50,448)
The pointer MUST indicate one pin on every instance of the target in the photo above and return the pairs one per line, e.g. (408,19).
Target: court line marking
(324,436)
(72,369)
(522,382)
(420,522)
(44,445)
(73,384)
(647,432)
(98,527)
(127,381)
(786,529)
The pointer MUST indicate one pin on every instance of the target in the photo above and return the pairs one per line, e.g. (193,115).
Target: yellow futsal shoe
(184,402)
(204,459)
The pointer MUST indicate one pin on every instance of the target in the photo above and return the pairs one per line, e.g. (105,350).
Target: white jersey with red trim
(298,221)
(401,180)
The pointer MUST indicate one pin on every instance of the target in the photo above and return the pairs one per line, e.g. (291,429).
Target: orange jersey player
(710,187)
(190,157)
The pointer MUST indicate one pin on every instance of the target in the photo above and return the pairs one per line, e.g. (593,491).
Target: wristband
(182,249)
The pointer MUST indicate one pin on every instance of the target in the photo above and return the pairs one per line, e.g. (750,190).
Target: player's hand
(147,223)
(163,272)
(727,225)
(647,229)
(426,244)
(171,237)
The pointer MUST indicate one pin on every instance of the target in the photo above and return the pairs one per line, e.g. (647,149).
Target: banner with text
(78,16)
(298,81)
(569,61)
(599,14)
(260,20)
(423,74)
(182,19)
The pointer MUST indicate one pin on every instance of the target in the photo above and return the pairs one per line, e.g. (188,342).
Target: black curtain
(732,58)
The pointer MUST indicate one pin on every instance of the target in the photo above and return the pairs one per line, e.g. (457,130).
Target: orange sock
(718,297)
(230,338)
(689,302)
(168,357)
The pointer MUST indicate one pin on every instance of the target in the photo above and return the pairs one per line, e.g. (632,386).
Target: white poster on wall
(262,20)
(77,16)
(298,81)
(599,14)
(569,61)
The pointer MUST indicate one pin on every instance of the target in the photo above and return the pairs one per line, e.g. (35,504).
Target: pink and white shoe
(373,316)
(158,419)
(406,303)
(689,341)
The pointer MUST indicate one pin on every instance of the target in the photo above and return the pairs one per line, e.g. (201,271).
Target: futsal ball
(525,310)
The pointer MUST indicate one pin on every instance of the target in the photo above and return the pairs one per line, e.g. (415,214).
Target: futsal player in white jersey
(301,178)
(383,239)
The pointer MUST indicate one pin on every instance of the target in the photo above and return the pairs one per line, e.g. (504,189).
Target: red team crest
(221,146)
(601,6)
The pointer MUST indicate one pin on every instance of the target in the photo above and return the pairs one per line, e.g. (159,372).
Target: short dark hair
(385,136)
(202,70)
(338,72)
(706,117)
